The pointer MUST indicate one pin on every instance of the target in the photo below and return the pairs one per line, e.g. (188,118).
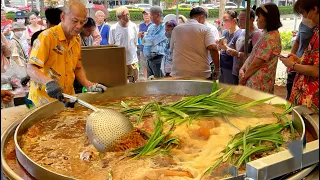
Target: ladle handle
(80,102)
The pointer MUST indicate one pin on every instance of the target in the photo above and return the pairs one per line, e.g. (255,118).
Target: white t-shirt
(126,37)
(215,32)
(189,42)
(213,29)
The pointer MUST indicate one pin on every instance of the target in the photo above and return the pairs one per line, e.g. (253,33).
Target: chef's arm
(215,55)
(253,67)
(37,75)
(81,77)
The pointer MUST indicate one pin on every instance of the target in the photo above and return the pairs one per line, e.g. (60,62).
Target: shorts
(133,70)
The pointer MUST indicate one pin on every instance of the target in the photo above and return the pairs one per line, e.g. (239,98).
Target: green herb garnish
(192,107)
(158,141)
(251,141)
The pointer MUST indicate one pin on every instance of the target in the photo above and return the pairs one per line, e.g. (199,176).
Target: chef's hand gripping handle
(75,99)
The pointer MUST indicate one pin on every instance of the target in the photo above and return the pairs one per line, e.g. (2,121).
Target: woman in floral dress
(259,70)
(305,90)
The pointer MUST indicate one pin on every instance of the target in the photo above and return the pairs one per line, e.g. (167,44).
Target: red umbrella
(99,7)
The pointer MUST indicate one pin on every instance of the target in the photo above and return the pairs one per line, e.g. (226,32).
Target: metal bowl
(265,168)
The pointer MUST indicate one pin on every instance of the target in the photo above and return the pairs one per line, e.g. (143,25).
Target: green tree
(221,9)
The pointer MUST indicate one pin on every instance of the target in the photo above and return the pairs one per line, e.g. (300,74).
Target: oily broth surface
(57,142)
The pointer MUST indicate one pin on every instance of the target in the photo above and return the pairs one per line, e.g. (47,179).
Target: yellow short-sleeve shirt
(57,59)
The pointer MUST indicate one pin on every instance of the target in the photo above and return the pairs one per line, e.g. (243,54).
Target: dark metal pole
(247,29)
(295,18)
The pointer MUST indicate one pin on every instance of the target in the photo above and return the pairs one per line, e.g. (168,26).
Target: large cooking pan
(265,168)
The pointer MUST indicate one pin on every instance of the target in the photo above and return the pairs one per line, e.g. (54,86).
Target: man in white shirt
(215,32)
(125,33)
(190,43)
(213,29)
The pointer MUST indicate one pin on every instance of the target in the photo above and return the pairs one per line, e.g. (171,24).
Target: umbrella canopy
(99,7)
(95,7)
(92,8)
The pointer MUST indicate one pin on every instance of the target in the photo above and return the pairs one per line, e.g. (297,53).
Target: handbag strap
(25,56)
(102,28)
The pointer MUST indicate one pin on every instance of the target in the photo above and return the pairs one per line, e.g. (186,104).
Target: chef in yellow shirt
(55,58)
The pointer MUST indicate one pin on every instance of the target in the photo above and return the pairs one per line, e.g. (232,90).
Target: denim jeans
(154,65)
(226,76)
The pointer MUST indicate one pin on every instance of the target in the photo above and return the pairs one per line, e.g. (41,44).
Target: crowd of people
(162,47)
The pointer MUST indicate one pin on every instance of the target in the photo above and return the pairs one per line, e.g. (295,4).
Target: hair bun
(254,7)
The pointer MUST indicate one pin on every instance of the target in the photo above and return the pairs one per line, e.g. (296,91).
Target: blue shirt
(155,41)
(104,34)
(226,61)
(304,36)
(143,27)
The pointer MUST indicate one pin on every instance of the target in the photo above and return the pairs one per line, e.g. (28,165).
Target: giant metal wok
(268,167)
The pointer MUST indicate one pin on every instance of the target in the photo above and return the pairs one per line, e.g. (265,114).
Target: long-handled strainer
(104,127)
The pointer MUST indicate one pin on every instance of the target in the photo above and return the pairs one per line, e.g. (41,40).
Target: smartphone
(279,55)
(221,40)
